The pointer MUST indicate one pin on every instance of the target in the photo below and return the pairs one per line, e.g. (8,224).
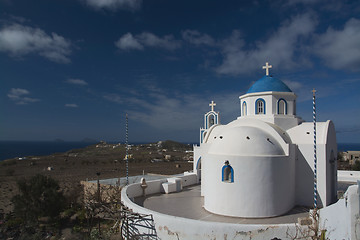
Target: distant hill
(169,144)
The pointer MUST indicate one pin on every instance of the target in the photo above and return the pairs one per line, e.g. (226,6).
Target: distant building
(352,157)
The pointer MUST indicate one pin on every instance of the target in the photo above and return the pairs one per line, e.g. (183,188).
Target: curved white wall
(262,187)
(174,228)
(340,219)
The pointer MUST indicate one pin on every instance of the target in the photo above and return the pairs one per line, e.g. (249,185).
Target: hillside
(71,167)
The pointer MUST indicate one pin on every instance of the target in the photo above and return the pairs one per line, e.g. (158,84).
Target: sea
(17,149)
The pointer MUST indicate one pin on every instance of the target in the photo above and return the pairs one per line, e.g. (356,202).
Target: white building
(256,167)
(262,163)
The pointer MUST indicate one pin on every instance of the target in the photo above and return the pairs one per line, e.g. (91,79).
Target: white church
(250,175)
(262,163)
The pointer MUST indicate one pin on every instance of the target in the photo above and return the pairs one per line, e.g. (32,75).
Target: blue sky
(71,69)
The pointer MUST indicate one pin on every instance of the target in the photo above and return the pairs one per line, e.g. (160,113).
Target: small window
(227,173)
(260,106)
(244,110)
(282,107)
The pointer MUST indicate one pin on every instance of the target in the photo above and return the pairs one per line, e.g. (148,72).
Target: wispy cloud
(197,38)
(293,44)
(147,39)
(114,5)
(283,47)
(71,105)
(76,81)
(172,111)
(112,97)
(302,91)
(340,49)
(19,40)
(19,96)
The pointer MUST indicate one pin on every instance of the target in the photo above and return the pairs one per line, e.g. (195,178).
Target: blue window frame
(260,107)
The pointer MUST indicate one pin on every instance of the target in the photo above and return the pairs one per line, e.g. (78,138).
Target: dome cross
(212,105)
(267,67)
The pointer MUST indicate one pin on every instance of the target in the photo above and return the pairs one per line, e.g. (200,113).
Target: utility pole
(127,152)
(315,159)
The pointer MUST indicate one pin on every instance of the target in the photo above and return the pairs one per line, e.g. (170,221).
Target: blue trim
(223,170)
(198,163)
(256,105)
(242,108)
(202,136)
(211,113)
(278,105)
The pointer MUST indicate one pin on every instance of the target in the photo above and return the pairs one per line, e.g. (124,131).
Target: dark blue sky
(71,69)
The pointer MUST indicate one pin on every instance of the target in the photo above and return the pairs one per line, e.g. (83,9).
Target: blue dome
(269,84)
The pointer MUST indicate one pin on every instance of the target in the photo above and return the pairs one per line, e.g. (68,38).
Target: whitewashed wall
(263,186)
(342,219)
(171,227)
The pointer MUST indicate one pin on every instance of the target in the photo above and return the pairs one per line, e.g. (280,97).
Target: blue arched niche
(227,173)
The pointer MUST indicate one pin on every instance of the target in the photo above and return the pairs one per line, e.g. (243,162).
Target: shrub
(356,166)
(10,172)
(39,197)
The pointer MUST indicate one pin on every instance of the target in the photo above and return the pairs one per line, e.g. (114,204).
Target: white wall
(303,136)
(342,219)
(263,186)
(348,176)
(171,227)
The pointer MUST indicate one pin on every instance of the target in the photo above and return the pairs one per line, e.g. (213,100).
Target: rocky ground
(82,164)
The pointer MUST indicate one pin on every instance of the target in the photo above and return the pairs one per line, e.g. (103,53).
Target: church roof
(269,84)
(242,140)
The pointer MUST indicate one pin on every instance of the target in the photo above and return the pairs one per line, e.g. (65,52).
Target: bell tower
(210,118)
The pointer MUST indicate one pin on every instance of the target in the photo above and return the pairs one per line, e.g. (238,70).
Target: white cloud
(113,5)
(151,40)
(340,49)
(284,47)
(19,40)
(128,42)
(114,98)
(19,96)
(181,113)
(77,81)
(303,92)
(197,38)
(172,111)
(146,39)
(71,105)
